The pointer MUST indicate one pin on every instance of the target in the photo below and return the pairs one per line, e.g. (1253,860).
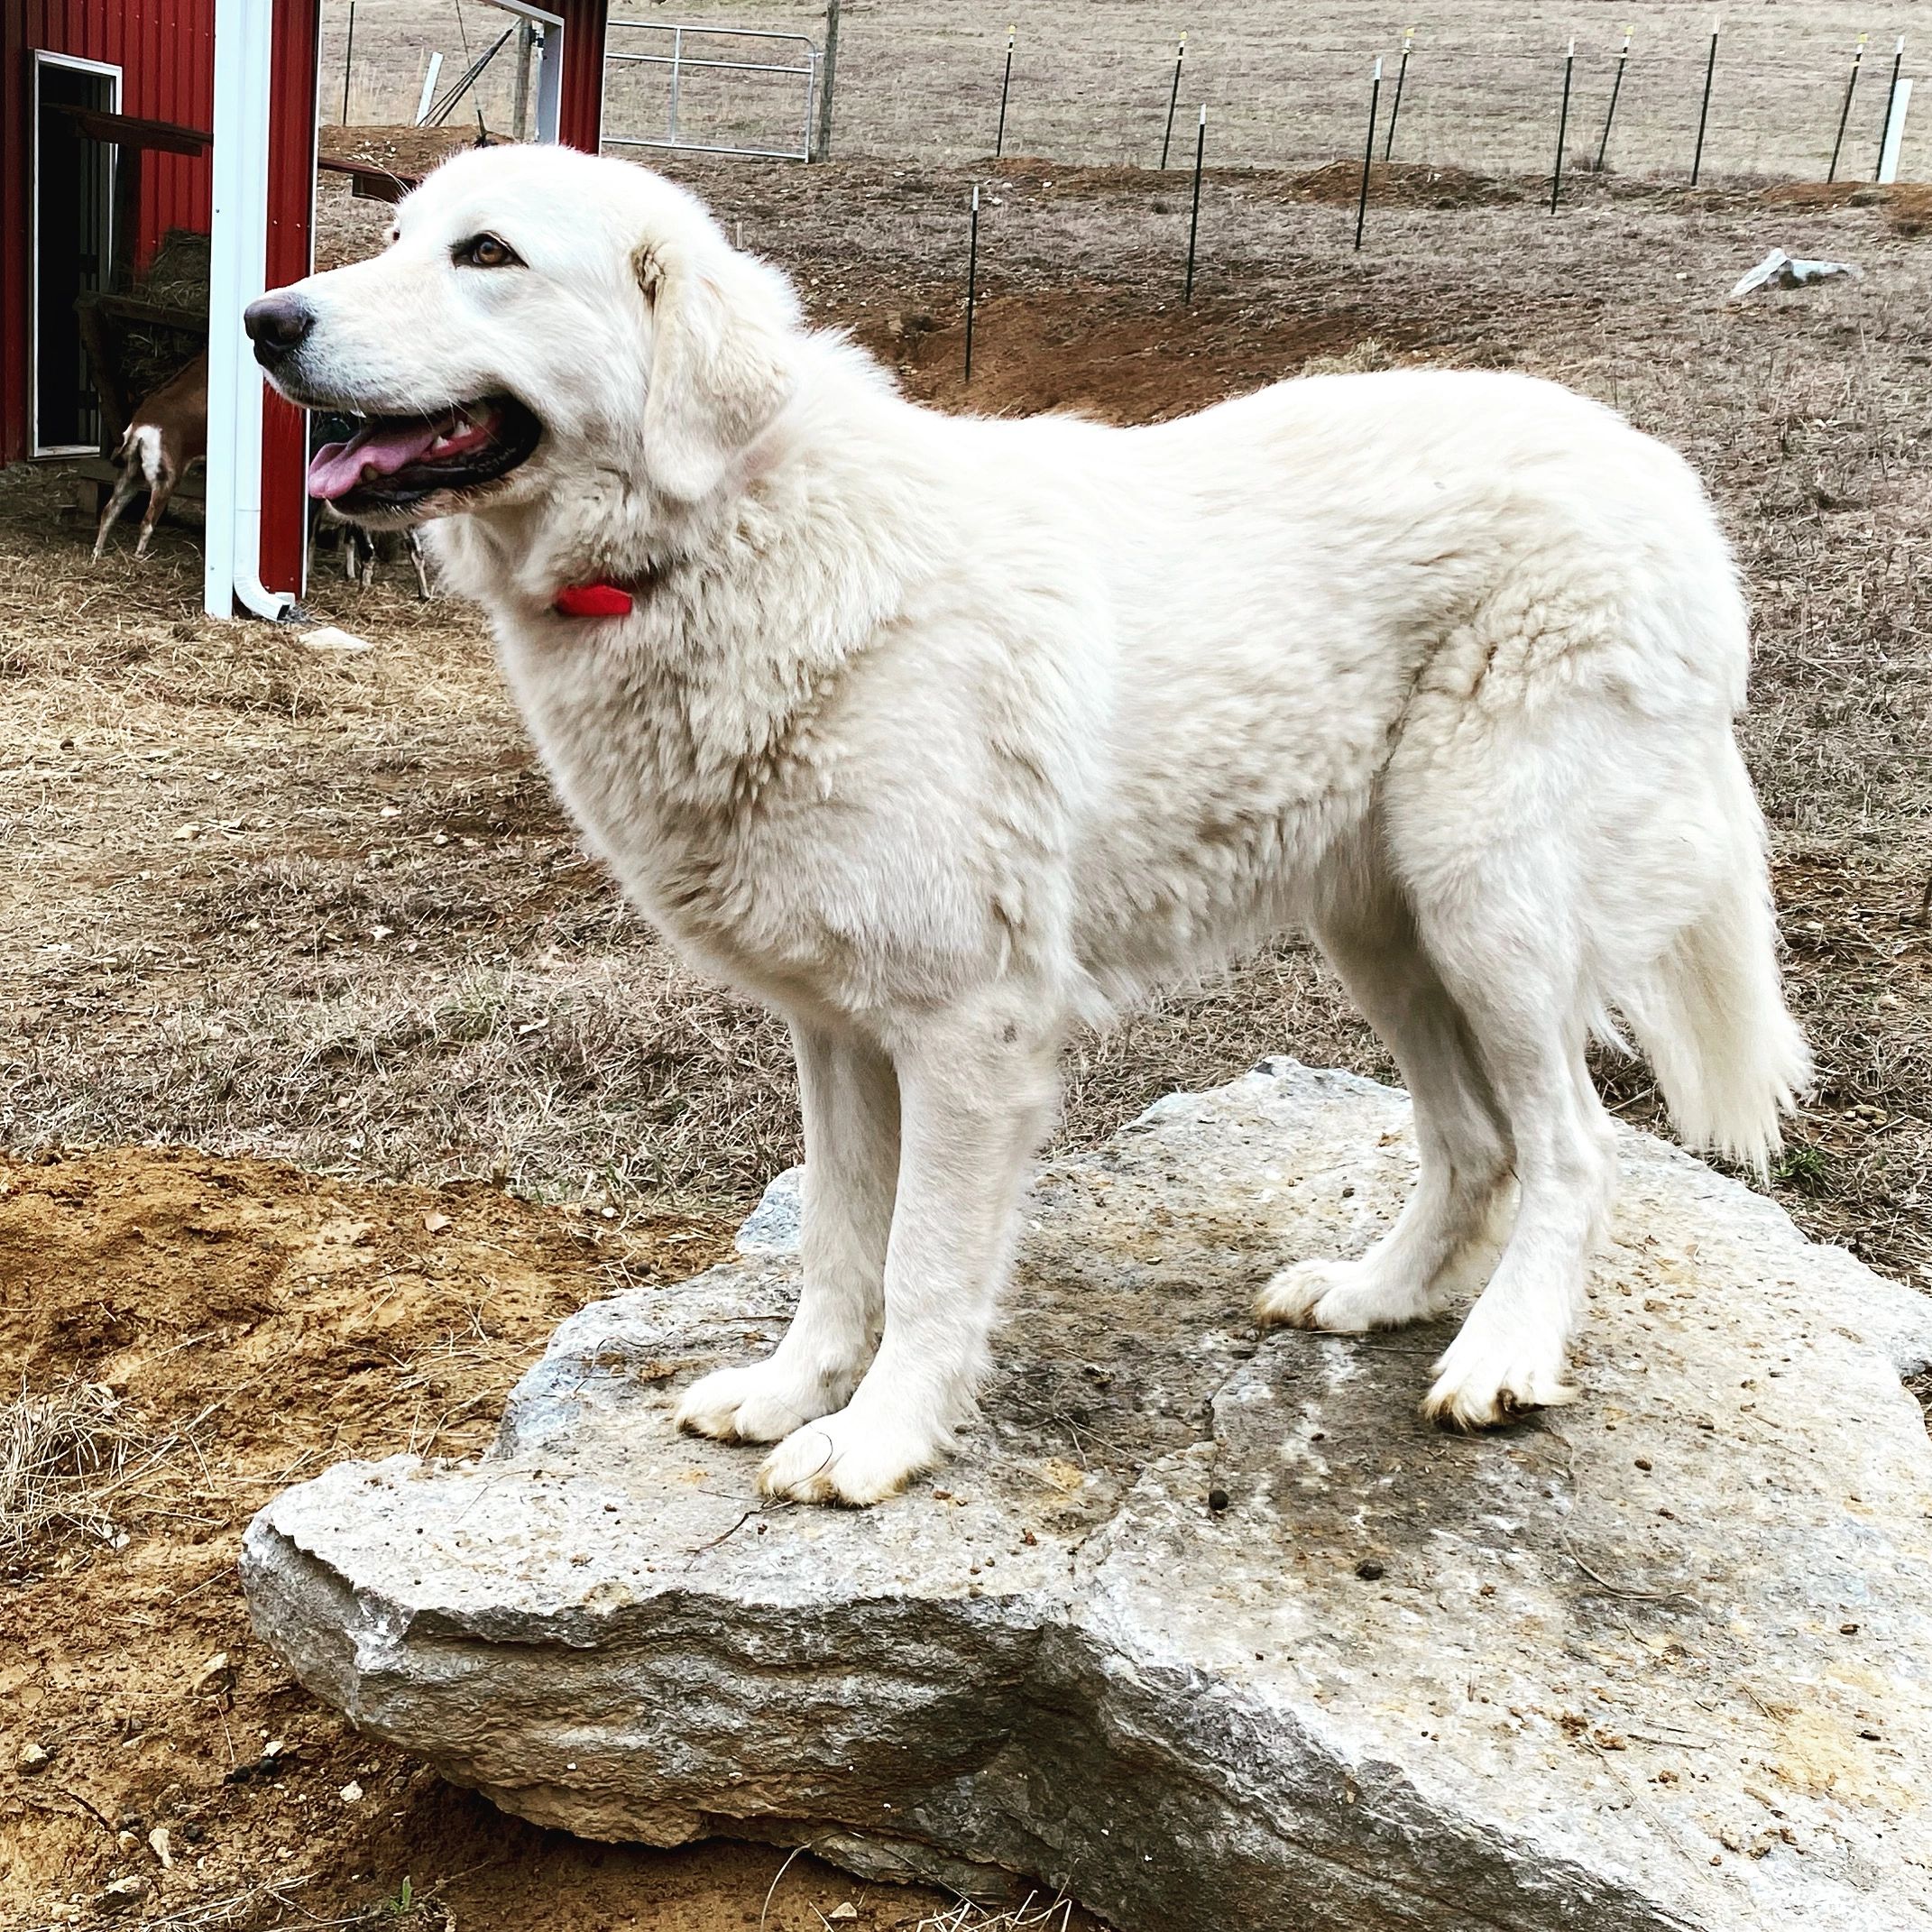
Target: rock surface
(1209,1627)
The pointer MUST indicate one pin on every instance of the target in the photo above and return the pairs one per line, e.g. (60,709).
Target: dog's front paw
(1486,1379)
(849,1457)
(763,1401)
(1345,1297)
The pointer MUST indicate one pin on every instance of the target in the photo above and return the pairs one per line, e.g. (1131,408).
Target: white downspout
(237,273)
(549,79)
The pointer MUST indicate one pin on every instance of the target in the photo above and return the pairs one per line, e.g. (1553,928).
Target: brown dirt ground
(267,1323)
(324,908)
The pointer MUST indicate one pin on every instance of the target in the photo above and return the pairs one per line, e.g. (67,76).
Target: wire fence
(1287,84)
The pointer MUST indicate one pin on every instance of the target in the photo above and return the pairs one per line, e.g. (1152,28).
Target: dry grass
(378,949)
(77,1459)
(1028,1916)
(1288,84)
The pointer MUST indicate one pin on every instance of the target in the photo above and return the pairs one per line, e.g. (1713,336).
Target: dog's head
(539,316)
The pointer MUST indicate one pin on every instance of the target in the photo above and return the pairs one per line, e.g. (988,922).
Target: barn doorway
(72,245)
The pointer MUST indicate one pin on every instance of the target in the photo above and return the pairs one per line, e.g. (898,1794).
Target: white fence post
(1894,133)
(429,99)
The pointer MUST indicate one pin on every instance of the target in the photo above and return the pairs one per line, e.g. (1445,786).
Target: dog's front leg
(975,1092)
(850,1104)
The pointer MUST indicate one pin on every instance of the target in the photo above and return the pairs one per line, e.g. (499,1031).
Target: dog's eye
(485,250)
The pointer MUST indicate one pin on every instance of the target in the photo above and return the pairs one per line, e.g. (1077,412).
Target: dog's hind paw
(763,1401)
(1482,1385)
(847,1458)
(1345,1297)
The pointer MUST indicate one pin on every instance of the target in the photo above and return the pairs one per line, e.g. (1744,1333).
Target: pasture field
(332,1074)
(1287,87)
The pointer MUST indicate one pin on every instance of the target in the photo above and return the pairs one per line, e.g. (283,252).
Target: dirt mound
(245,1323)
(1402,184)
(1908,205)
(1095,353)
(409,150)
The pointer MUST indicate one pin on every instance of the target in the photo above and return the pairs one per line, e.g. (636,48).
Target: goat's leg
(415,540)
(159,492)
(129,480)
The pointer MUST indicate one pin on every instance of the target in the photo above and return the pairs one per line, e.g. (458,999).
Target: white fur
(945,735)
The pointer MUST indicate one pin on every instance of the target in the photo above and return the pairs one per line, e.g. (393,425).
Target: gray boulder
(1209,1627)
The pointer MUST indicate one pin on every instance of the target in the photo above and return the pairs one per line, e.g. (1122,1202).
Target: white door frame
(549,62)
(45,58)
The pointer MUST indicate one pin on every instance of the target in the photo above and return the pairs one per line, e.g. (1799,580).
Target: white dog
(943,736)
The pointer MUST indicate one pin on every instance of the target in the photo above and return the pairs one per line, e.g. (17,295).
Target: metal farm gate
(680,56)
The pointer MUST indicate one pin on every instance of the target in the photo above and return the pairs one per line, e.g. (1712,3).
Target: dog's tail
(1710,1014)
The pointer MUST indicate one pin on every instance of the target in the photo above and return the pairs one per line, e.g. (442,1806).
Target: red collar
(594,600)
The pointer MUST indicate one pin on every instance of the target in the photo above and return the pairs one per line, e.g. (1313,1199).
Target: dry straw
(74,1459)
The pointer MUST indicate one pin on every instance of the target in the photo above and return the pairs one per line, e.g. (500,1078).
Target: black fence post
(1704,112)
(1173,95)
(1845,113)
(1402,74)
(1891,94)
(1617,88)
(1006,86)
(1562,128)
(972,275)
(1193,220)
(1368,154)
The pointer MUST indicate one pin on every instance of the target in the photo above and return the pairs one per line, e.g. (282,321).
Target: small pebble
(1369,1570)
(1217,1500)
(33,1758)
(215,1677)
(1848,1630)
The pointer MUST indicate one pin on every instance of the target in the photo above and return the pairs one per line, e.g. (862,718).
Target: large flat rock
(1207,1626)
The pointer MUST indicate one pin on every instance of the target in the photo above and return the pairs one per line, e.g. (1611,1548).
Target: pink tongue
(380,449)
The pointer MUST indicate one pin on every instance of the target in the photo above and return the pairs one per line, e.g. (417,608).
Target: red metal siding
(580,103)
(290,255)
(165,49)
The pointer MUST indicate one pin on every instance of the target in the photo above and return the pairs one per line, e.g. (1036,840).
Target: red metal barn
(130,130)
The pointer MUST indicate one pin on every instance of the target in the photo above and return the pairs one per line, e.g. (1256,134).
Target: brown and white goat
(167,432)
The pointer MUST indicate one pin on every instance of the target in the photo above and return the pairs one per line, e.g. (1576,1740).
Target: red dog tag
(593,600)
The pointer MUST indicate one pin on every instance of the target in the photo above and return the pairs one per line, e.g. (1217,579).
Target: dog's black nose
(276,324)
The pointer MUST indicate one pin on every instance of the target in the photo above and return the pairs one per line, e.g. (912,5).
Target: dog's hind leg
(1498,934)
(1368,935)
(850,1105)
(976,1089)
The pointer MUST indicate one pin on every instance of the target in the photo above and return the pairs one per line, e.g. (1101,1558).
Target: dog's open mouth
(393,463)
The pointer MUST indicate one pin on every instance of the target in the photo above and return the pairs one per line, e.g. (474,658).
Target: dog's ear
(722,331)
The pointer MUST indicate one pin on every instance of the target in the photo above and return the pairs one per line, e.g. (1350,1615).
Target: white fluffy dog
(943,736)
